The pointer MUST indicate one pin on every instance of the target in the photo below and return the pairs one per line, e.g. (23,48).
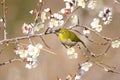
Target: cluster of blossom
(71,53)
(70,4)
(29,54)
(32,28)
(84,67)
(56,20)
(106,16)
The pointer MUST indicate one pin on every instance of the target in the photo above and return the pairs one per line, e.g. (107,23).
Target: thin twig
(101,36)
(4,19)
(44,42)
(22,37)
(48,51)
(10,61)
(106,67)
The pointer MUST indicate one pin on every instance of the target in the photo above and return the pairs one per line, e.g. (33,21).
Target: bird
(69,38)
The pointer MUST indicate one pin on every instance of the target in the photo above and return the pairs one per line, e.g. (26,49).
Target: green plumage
(68,38)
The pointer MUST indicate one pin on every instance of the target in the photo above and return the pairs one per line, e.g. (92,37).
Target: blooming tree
(48,22)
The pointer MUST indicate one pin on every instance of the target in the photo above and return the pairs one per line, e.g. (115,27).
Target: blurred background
(50,66)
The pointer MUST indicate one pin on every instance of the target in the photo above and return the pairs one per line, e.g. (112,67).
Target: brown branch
(22,37)
(106,68)
(10,61)
(101,36)
(44,42)
(4,18)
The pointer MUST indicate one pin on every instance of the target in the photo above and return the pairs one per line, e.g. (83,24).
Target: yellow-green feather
(68,37)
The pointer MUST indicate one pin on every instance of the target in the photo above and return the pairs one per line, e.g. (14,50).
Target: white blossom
(39,26)
(106,15)
(71,53)
(98,28)
(39,46)
(60,22)
(101,13)
(77,77)
(31,63)
(33,51)
(27,28)
(95,25)
(55,23)
(63,11)
(29,54)
(69,77)
(115,44)
(47,9)
(40,1)
(32,11)
(67,0)
(43,16)
(74,20)
(68,5)
(92,4)
(95,22)
(81,3)
(86,66)
(58,16)
(85,32)
(1,20)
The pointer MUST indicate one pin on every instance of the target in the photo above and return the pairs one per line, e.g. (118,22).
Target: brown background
(50,66)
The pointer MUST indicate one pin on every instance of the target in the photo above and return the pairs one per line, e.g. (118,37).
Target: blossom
(29,54)
(40,1)
(39,46)
(68,6)
(77,77)
(65,11)
(21,52)
(115,44)
(81,3)
(58,16)
(71,53)
(56,20)
(69,77)
(32,11)
(95,25)
(86,31)
(27,28)
(92,4)
(98,28)
(95,22)
(1,20)
(55,23)
(86,66)
(43,16)
(31,63)
(39,26)
(106,15)
(74,20)
(33,51)
(67,0)
(47,9)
